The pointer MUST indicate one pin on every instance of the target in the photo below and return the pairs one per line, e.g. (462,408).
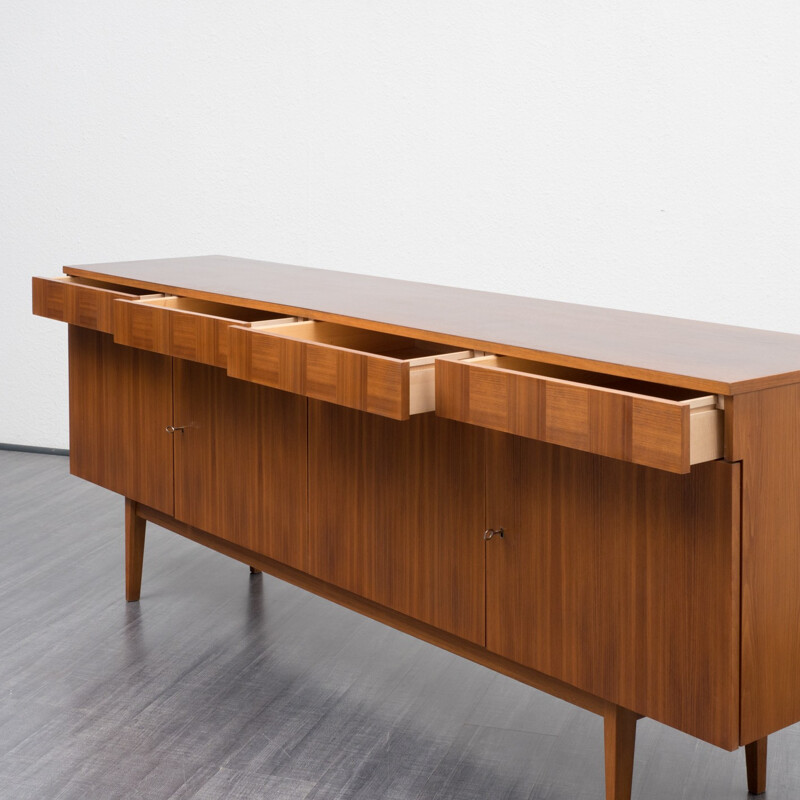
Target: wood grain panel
(619,579)
(186,328)
(566,413)
(362,381)
(765,428)
(651,432)
(142,326)
(368,608)
(334,375)
(166,326)
(86,305)
(718,359)
(611,425)
(275,361)
(387,387)
(240,463)
(660,435)
(120,401)
(396,513)
(199,338)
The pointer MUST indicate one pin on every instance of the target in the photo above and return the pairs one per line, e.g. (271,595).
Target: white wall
(631,154)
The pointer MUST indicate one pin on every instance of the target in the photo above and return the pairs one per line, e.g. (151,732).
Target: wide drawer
(376,372)
(183,327)
(81,301)
(651,424)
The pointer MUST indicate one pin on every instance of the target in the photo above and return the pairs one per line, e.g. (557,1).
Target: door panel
(619,579)
(240,463)
(120,401)
(396,512)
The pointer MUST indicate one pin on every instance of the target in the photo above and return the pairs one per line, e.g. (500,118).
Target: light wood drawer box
(81,301)
(196,330)
(376,372)
(651,424)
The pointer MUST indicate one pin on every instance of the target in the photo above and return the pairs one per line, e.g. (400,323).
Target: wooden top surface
(700,355)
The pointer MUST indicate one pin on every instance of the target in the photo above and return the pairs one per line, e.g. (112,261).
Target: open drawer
(81,301)
(183,327)
(647,423)
(377,372)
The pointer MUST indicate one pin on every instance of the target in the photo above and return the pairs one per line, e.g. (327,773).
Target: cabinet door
(120,401)
(240,462)
(619,579)
(396,513)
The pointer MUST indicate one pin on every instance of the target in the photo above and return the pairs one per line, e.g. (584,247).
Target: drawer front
(145,327)
(644,430)
(162,328)
(363,381)
(66,300)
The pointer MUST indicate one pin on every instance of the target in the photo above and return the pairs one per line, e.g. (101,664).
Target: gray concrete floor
(222,685)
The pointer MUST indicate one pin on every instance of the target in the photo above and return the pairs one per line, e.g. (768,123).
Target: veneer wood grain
(765,435)
(120,400)
(191,329)
(240,462)
(388,616)
(619,579)
(657,426)
(367,371)
(722,359)
(348,378)
(80,301)
(396,513)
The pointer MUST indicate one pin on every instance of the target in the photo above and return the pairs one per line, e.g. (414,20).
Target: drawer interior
(694,399)
(418,353)
(209,308)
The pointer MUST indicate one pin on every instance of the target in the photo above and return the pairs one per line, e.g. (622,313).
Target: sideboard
(602,504)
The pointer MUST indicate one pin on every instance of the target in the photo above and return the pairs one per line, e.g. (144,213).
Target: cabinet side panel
(397,512)
(240,463)
(120,401)
(619,579)
(766,437)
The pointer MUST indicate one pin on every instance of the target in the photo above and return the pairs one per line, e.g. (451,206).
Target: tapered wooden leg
(255,571)
(134,551)
(755,754)
(620,735)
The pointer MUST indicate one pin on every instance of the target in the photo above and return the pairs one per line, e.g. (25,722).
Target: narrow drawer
(81,301)
(651,424)
(377,372)
(183,327)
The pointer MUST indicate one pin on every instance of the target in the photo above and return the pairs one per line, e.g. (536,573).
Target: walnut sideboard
(602,504)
